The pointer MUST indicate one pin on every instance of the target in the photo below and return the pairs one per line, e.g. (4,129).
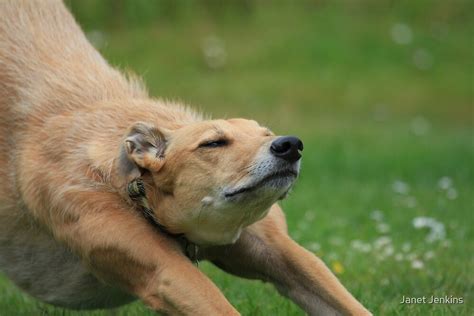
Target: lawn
(382,96)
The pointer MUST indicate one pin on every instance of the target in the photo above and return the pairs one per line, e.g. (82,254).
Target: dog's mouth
(279,179)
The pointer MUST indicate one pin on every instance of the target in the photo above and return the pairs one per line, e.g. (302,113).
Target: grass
(382,123)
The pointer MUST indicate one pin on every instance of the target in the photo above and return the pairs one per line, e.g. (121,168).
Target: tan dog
(75,133)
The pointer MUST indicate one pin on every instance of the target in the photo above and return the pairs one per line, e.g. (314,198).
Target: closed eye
(214,143)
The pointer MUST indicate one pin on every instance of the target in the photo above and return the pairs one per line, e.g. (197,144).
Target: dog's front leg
(122,249)
(265,251)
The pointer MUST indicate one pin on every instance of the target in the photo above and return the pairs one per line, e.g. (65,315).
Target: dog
(107,195)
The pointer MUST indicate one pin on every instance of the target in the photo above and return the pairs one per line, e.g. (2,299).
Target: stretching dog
(107,195)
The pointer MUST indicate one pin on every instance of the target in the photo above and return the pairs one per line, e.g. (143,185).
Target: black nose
(287,147)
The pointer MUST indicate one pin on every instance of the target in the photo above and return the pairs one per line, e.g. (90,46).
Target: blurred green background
(380,91)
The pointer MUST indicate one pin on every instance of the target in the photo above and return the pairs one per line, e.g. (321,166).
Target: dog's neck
(137,194)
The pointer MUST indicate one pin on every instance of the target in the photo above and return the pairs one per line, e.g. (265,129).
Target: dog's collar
(137,193)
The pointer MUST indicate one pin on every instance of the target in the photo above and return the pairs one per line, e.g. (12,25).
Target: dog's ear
(145,145)
(143,149)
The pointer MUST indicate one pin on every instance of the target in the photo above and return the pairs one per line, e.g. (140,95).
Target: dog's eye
(214,143)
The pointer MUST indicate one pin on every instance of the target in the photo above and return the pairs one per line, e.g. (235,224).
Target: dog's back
(43,49)
(47,67)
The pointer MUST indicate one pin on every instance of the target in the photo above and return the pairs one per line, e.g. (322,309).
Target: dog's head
(211,178)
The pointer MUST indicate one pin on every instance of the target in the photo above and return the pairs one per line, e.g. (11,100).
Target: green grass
(369,117)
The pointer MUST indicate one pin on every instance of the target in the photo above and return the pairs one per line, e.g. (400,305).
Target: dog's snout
(287,147)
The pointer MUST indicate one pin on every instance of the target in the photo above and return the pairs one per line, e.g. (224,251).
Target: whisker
(247,167)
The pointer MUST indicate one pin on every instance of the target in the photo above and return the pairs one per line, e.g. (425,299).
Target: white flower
(303,225)
(314,246)
(400,187)
(452,194)
(309,216)
(445,183)
(446,243)
(365,248)
(382,242)
(214,52)
(417,264)
(437,230)
(406,247)
(423,59)
(356,243)
(401,34)
(420,126)
(380,257)
(410,202)
(377,215)
(420,222)
(336,241)
(361,246)
(398,257)
(97,38)
(388,251)
(383,228)
(429,255)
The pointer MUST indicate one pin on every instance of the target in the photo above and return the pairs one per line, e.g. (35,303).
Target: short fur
(74,131)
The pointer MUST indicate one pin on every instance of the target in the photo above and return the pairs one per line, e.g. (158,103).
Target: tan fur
(74,132)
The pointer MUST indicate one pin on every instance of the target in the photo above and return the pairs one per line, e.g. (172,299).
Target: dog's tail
(46,61)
